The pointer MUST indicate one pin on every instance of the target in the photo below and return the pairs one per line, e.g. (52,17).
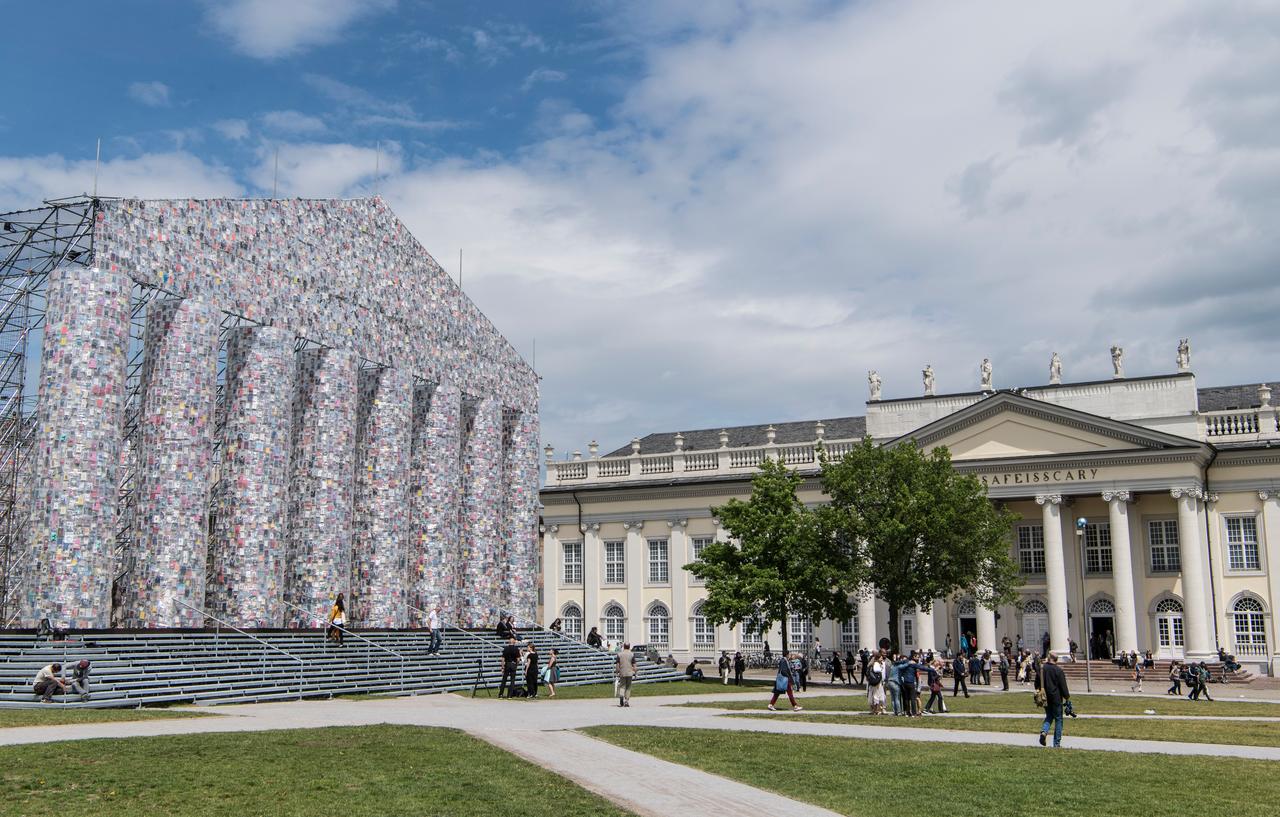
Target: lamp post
(1087,622)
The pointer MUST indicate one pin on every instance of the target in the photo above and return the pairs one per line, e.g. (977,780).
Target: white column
(1196,616)
(637,574)
(867,622)
(987,628)
(677,554)
(592,577)
(1055,574)
(1122,570)
(1271,541)
(551,579)
(925,632)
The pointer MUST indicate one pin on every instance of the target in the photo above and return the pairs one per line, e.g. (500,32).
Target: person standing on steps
(337,620)
(786,682)
(1054,685)
(624,668)
(433,625)
(510,660)
(959,668)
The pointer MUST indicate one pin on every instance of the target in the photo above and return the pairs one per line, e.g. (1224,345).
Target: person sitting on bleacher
(503,630)
(48,681)
(594,639)
(80,680)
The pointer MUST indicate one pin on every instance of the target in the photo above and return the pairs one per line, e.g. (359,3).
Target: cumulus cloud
(292,122)
(26,181)
(318,170)
(233,129)
(269,29)
(153,94)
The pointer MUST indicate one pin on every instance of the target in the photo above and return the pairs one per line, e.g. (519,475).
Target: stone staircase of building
(138,668)
(1111,673)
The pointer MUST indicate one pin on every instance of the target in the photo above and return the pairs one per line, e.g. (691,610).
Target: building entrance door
(1169,628)
(1103,638)
(1035,623)
(968,627)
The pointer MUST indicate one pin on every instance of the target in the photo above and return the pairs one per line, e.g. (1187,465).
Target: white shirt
(433,620)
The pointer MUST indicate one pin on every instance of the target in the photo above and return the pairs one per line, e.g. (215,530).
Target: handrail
(462,630)
(532,622)
(301,664)
(368,655)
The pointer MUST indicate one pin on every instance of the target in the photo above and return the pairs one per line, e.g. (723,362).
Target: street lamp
(1086,619)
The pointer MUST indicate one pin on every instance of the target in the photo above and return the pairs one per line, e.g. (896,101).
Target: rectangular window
(1097,547)
(659,565)
(908,637)
(849,633)
(751,633)
(1242,543)
(1162,539)
(615,561)
(801,633)
(698,544)
(704,635)
(1031,548)
(572,562)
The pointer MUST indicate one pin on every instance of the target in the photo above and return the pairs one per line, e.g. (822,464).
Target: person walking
(723,665)
(837,669)
(801,664)
(1175,679)
(864,661)
(934,680)
(1055,693)
(946,650)
(624,667)
(1044,645)
(337,620)
(433,624)
(1200,673)
(874,681)
(850,667)
(739,668)
(551,673)
(1136,686)
(958,669)
(964,643)
(785,682)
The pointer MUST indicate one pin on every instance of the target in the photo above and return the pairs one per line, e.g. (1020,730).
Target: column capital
(1194,491)
(635,525)
(1049,499)
(1117,496)
(1265,495)
(677,523)
(553,528)
(594,527)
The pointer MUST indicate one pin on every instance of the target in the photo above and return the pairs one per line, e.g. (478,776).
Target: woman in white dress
(875,692)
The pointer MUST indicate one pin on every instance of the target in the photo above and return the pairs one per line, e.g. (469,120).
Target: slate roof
(1211,398)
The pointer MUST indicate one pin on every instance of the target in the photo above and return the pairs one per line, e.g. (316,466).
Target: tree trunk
(893,627)
(784,628)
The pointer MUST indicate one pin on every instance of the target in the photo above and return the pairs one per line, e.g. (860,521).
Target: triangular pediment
(1007,425)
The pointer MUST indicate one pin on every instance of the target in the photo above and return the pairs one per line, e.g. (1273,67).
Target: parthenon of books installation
(319,410)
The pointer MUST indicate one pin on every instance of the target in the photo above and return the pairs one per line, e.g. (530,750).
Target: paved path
(541,731)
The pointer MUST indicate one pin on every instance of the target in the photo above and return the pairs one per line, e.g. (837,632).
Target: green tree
(784,561)
(924,530)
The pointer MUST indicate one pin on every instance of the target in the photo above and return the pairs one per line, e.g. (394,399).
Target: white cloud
(292,123)
(233,129)
(538,75)
(27,180)
(153,94)
(315,170)
(268,29)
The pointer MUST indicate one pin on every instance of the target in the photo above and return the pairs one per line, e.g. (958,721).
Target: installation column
(1196,617)
(434,497)
(1122,570)
(1055,573)
(482,505)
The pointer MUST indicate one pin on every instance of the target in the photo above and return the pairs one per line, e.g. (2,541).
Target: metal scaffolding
(32,244)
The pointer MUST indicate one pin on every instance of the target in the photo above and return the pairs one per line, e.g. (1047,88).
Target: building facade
(1149,517)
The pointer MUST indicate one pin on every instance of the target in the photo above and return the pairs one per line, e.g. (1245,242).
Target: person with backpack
(959,667)
(785,682)
(874,680)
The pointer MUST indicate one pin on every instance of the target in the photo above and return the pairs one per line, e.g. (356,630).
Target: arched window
(659,618)
(1102,607)
(967,608)
(615,623)
(1250,627)
(1169,606)
(571,618)
(704,635)
(1035,607)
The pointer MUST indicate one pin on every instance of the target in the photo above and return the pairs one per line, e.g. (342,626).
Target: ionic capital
(1117,496)
(1193,492)
(677,523)
(553,528)
(1049,499)
(634,525)
(594,527)
(1265,495)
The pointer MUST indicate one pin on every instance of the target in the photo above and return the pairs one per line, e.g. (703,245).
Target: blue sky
(728,211)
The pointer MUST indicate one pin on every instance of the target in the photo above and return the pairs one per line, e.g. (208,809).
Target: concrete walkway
(541,731)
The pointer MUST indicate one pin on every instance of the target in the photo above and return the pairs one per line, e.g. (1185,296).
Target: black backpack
(874,677)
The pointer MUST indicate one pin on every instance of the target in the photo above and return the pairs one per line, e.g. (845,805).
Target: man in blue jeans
(1054,683)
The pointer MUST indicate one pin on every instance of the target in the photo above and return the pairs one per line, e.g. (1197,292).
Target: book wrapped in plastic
(435,498)
(482,509)
(175,428)
(520,583)
(78,442)
(248,560)
(380,547)
(322,483)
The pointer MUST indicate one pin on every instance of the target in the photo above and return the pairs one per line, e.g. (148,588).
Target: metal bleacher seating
(211,666)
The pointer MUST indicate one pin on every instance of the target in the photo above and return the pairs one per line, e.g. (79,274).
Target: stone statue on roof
(1117,361)
(985,369)
(1184,355)
(928,380)
(873,383)
(1055,369)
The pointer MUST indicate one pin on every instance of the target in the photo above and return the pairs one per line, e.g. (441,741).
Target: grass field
(1020,703)
(348,771)
(53,716)
(1244,733)
(876,777)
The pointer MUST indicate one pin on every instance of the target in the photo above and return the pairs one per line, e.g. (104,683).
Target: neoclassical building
(1149,516)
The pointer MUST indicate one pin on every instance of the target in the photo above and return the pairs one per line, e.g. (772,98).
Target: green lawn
(1246,733)
(1020,702)
(875,777)
(53,716)
(348,771)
